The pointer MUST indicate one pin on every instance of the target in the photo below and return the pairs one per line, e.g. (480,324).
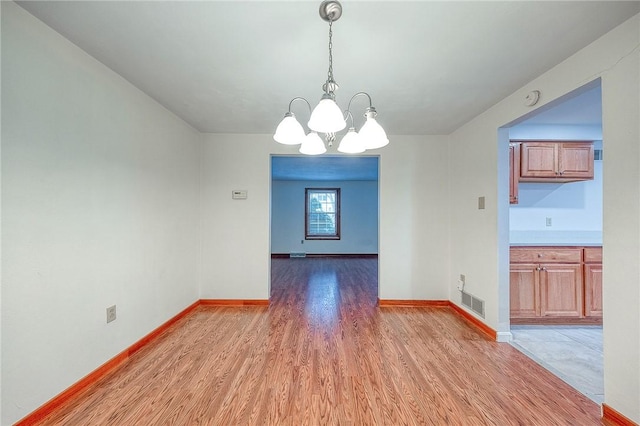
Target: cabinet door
(524,292)
(514,172)
(575,160)
(561,290)
(538,159)
(593,290)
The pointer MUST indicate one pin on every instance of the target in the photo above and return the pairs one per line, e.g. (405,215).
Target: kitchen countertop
(555,238)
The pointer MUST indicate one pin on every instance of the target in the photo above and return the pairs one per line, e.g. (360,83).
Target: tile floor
(573,353)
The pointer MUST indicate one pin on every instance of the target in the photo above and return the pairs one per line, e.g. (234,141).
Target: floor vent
(473,303)
(297,254)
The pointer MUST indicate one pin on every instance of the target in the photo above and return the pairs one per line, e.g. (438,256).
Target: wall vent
(473,303)
(297,254)
(466,299)
(597,154)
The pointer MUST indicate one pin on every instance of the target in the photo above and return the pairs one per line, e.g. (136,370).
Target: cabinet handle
(544,269)
(539,254)
(538,268)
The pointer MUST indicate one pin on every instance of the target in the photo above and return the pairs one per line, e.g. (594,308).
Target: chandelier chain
(330,81)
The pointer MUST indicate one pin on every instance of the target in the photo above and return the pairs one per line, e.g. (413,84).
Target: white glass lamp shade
(327,117)
(289,131)
(312,145)
(373,135)
(351,143)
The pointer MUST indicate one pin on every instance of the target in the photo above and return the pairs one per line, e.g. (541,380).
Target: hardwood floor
(324,353)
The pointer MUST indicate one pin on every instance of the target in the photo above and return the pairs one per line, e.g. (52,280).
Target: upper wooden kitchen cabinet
(556,161)
(514,172)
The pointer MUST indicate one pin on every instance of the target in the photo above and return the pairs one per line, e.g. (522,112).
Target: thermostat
(239,194)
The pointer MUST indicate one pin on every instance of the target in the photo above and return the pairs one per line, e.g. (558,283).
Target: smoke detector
(532,98)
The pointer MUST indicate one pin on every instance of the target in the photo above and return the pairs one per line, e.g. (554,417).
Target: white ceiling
(233,66)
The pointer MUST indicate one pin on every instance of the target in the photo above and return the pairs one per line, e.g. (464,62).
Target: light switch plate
(480,203)
(111,313)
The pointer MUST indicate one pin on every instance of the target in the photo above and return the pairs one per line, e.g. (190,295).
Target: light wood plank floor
(323,353)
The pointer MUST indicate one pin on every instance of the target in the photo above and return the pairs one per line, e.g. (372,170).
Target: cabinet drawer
(545,254)
(593,254)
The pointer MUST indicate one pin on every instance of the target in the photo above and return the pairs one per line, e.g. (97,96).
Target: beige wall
(413,216)
(479,239)
(100,208)
(621,228)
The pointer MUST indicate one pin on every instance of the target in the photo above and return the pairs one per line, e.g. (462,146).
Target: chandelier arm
(358,94)
(347,114)
(300,98)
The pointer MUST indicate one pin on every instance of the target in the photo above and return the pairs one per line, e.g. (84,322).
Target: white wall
(100,207)
(358,218)
(235,233)
(1,284)
(413,254)
(479,166)
(414,213)
(574,206)
(621,229)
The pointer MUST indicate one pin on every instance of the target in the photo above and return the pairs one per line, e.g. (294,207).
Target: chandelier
(326,117)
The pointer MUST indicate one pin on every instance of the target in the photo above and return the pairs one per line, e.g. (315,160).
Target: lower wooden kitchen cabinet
(551,284)
(561,290)
(593,281)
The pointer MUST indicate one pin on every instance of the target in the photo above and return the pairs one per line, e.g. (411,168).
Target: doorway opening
(313,196)
(555,239)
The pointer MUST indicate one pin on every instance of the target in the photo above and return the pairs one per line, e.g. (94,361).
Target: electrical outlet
(548,221)
(481,203)
(111,313)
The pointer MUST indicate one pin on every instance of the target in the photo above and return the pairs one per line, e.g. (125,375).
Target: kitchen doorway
(555,238)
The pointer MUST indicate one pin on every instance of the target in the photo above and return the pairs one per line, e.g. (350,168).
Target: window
(322,214)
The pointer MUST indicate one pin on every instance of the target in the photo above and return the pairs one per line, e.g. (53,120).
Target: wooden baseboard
(412,303)
(234,302)
(613,417)
(158,331)
(475,322)
(78,388)
(484,328)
